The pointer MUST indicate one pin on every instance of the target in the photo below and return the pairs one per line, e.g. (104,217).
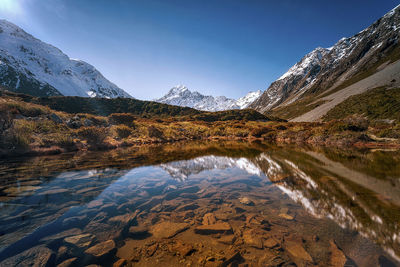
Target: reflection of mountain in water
(181,170)
(326,189)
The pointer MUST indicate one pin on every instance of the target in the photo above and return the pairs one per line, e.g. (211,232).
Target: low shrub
(123,131)
(154,132)
(93,135)
(258,132)
(122,118)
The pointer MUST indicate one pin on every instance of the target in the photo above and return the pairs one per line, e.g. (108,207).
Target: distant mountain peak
(180,95)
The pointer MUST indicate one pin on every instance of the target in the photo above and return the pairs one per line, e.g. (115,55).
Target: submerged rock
(101,249)
(338,259)
(36,256)
(297,251)
(286,216)
(138,230)
(119,263)
(227,239)
(67,263)
(209,219)
(168,229)
(183,249)
(246,201)
(82,241)
(251,238)
(270,243)
(219,227)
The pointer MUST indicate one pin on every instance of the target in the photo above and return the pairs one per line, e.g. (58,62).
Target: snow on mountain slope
(29,65)
(181,96)
(324,69)
(246,100)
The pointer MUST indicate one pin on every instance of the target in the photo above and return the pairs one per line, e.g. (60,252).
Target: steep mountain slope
(28,65)
(181,96)
(246,100)
(322,72)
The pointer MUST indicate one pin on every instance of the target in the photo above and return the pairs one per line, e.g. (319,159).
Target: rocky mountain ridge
(327,70)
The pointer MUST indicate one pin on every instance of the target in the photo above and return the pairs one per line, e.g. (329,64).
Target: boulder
(54,117)
(87,122)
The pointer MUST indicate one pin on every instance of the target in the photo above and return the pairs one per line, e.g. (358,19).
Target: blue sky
(218,47)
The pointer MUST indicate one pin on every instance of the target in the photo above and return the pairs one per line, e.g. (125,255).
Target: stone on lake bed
(101,249)
(95,203)
(20,189)
(64,234)
(209,219)
(286,216)
(270,243)
(125,218)
(251,238)
(138,230)
(219,227)
(67,263)
(54,191)
(297,251)
(182,248)
(227,239)
(82,241)
(36,256)
(338,259)
(168,229)
(119,263)
(246,201)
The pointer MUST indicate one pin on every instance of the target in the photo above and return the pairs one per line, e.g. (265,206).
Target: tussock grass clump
(122,118)
(154,132)
(258,132)
(93,135)
(122,131)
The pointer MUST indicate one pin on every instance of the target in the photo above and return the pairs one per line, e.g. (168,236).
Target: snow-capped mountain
(181,96)
(324,69)
(28,65)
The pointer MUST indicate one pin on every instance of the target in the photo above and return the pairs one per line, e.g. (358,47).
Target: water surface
(202,204)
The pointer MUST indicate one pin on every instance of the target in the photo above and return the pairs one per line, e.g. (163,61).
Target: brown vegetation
(27,128)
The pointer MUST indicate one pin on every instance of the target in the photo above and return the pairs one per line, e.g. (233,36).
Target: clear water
(202,204)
